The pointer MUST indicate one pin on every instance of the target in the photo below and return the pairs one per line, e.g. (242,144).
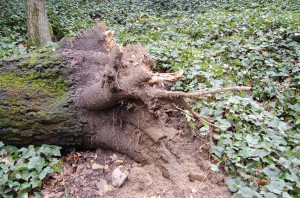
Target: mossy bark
(35,102)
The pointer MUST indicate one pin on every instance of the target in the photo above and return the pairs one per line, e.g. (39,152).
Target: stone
(119,175)
(205,165)
(96,166)
(193,176)
(140,179)
(79,168)
(59,194)
(114,157)
(164,171)
(102,187)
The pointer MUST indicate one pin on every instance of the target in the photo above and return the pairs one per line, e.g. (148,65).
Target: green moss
(36,86)
(51,31)
(45,73)
(1,111)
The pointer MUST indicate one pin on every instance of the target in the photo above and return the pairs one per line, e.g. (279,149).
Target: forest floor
(216,44)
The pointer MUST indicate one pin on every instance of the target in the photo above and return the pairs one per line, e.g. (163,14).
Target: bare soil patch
(89,174)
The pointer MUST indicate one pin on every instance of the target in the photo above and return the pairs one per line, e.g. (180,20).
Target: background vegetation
(217,44)
(22,170)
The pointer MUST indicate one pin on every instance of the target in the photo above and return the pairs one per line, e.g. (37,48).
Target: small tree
(38,27)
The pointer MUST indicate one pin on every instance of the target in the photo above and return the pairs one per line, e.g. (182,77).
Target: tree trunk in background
(38,27)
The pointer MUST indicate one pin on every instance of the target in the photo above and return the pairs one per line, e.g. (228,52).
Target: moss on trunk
(36,103)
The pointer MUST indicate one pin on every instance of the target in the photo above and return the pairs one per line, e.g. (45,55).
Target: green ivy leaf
(36,163)
(214,168)
(285,163)
(45,171)
(22,194)
(28,152)
(35,182)
(271,171)
(38,195)
(276,186)
(217,150)
(21,166)
(269,194)
(233,184)
(245,152)
(49,150)
(246,192)
(24,186)
(251,141)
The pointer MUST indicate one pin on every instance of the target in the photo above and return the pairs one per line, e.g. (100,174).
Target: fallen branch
(205,93)
(198,94)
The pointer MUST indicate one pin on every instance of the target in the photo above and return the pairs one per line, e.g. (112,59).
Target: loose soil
(190,175)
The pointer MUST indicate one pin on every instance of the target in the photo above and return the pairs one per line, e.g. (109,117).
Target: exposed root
(128,107)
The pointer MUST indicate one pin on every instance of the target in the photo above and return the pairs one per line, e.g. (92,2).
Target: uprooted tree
(93,93)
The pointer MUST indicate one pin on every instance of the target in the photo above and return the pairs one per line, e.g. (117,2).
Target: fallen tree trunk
(92,93)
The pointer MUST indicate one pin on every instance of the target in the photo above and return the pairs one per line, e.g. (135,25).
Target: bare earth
(89,174)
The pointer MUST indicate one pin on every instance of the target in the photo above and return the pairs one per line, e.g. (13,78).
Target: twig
(203,180)
(198,94)
(190,108)
(199,117)
(117,73)
(210,137)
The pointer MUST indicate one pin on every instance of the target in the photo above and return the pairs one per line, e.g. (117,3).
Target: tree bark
(38,27)
(35,102)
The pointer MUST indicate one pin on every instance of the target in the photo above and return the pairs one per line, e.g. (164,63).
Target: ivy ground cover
(216,44)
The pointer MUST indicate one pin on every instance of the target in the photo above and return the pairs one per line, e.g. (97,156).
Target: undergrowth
(216,44)
(22,170)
